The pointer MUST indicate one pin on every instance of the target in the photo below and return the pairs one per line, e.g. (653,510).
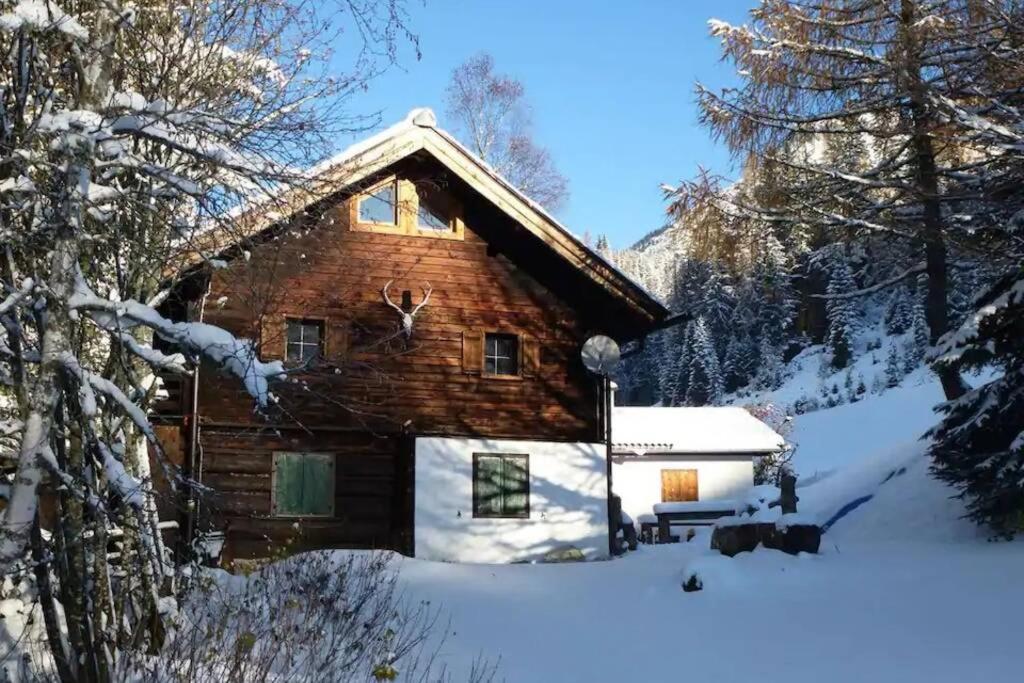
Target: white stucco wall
(568,502)
(637,479)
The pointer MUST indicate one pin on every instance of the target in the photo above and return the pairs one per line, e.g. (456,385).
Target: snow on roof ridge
(422,116)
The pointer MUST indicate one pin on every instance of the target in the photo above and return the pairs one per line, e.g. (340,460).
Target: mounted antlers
(407,318)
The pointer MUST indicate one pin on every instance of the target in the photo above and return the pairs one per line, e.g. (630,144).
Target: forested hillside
(880,193)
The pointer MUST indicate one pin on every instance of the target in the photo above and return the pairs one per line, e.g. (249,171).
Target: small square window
(501,354)
(303,485)
(501,485)
(380,206)
(305,340)
(431,216)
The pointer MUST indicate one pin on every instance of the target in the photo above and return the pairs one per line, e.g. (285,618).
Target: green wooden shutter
(516,485)
(487,486)
(318,484)
(287,483)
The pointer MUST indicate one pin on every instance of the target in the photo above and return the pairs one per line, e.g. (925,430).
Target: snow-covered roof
(709,430)
(419,131)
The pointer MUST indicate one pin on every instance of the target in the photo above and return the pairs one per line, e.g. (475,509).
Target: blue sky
(610,85)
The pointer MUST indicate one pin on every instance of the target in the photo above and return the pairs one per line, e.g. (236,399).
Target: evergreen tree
(842,312)
(919,342)
(770,372)
(741,361)
(979,445)
(666,349)
(898,311)
(704,386)
(893,367)
(906,77)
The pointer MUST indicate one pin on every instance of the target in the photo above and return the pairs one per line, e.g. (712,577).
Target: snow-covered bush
(322,616)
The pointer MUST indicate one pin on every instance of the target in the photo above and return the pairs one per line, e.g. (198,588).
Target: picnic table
(690,513)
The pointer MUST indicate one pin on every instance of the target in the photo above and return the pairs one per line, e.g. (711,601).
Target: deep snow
(903,590)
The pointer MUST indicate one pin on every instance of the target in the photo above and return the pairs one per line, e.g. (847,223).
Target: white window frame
(302,323)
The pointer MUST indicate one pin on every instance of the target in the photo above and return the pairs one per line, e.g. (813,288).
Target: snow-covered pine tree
(979,445)
(927,86)
(741,360)
(919,338)
(674,365)
(898,311)
(843,316)
(704,385)
(893,367)
(770,370)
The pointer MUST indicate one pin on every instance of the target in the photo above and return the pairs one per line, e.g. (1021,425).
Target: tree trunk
(66,671)
(932,236)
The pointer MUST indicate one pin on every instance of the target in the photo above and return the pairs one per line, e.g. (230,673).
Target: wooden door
(678,485)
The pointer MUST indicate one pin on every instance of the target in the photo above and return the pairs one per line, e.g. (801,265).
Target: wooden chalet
(431,319)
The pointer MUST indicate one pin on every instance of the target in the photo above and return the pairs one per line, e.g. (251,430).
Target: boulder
(794,538)
(733,539)
(797,538)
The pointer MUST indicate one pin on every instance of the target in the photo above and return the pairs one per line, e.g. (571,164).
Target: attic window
(380,206)
(402,206)
(431,215)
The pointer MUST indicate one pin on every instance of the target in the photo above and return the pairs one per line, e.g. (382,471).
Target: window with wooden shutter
(303,484)
(337,340)
(272,336)
(531,356)
(501,485)
(679,486)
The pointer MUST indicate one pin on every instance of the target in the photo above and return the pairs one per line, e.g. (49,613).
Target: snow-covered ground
(903,590)
(827,440)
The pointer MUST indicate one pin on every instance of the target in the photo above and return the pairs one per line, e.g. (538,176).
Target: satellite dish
(600,354)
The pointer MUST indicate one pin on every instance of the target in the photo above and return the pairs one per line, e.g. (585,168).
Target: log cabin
(430,317)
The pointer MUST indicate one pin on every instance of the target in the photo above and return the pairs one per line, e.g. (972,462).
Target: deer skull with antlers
(407,318)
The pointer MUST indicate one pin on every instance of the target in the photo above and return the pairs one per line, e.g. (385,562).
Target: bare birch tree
(488,111)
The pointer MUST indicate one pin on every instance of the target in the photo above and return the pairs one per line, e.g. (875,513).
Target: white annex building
(685,454)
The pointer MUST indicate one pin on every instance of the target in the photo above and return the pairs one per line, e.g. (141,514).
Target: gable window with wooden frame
(302,484)
(379,206)
(501,485)
(305,340)
(434,212)
(501,355)
(403,207)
